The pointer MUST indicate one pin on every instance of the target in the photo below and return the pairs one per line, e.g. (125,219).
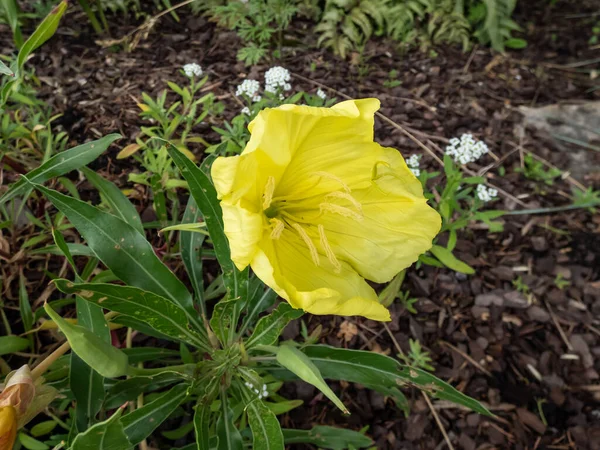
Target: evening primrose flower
(8,427)
(315,207)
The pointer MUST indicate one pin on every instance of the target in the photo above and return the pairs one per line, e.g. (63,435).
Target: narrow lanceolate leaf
(451,261)
(269,328)
(107,435)
(266,431)
(191,251)
(123,250)
(229,436)
(221,320)
(205,195)
(259,300)
(42,33)
(120,205)
(102,356)
(297,362)
(202,420)
(375,370)
(327,437)
(86,383)
(11,344)
(126,390)
(140,424)
(60,164)
(157,312)
(5,70)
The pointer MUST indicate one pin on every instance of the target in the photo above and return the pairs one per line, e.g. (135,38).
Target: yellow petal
(8,427)
(286,266)
(397,224)
(244,230)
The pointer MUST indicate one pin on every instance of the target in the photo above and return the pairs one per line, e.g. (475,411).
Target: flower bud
(8,427)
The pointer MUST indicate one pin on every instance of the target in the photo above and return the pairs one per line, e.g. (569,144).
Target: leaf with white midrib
(123,299)
(278,318)
(176,291)
(139,424)
(84,154)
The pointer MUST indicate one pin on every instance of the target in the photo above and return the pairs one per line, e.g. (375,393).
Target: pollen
(341,210)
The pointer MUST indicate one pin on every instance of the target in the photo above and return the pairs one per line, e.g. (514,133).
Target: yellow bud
(8,427)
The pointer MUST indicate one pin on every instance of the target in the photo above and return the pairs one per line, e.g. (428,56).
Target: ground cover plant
(183,235)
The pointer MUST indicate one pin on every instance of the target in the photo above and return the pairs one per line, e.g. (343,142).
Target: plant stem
(49,360)
(552,210)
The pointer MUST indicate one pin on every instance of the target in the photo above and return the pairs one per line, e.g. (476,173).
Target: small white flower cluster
(413,164)
(466,149)
(485,194)
(321,94)
(263,394)
(245,110)
(192,69)
(277,77)
(249,88)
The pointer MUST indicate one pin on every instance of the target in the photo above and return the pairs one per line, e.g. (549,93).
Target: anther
(345,196)
(332,177)
(268,193)
(277,229)
(328,251)
(309,243)
(341,210)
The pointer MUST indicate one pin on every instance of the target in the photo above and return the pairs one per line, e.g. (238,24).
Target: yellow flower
(8,427)
(314,206)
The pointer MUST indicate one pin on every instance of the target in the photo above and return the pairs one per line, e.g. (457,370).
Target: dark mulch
(533,358)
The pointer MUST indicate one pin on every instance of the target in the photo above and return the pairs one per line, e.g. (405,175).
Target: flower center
(298,211)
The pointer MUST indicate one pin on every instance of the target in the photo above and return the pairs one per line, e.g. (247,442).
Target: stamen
(346,196)
(277,229)
(328,251)
(341,210)
(332,177)
(309,243)
(268,194)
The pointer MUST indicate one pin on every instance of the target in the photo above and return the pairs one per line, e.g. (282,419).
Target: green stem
(552,210)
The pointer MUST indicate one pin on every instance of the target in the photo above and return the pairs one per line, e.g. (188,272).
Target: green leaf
(140,424)
(205,195)
(5,70)
(11,15)
(43,428)
(157,312)
(269,328)
(515,43)
(123,250)
(107,360)
(30,443)
(222,318)
(107,435)
(283,406)
(60,164)
(229,436)
(373,369)
(12,344)
(327,437)
(449,260)
(143,354)
(24,305)
(266,431)
(297,362)
(259,300)
(126,390)
(120,205)
(191,251)
(202,421)
(43,32)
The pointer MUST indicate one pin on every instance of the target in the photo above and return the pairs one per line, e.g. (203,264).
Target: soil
(531,355)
